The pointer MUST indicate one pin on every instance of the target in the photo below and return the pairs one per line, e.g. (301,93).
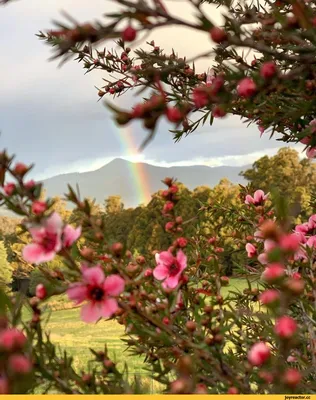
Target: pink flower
(302,228)
(297,276)
(311,242)
(258,354)
(268,70)
(38,207)
(290,242)
(40,292)
(273,272)
(98,290)
(263,258)
(19,364)
(12,339)
(9,188)
(29,184)
(47,241)
(258,198)
(246,87)
(261,130)
(170,268)
(70,235)
(200,97)
(251,250)
(148,272)
(168,206)
(182,242)
(312,222)
(269,296)
(285,327)
(292,377)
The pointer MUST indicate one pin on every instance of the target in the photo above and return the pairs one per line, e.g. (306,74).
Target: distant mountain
(118,178)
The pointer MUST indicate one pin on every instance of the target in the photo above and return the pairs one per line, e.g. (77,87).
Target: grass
(76,337)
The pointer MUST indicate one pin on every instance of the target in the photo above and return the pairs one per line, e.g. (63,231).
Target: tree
(113,205)
(294,178)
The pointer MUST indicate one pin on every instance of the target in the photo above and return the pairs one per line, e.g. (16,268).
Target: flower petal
(182,260)
(166,258)
(77,293)
(70,235)
(94,275)
(91,312)
(161,272)
(171,282)
(108,308)
(33,253)
(54,223)
(114,285)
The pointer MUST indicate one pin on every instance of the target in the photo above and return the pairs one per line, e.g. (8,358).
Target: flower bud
(285,327)
(41,292)
(19,364)
(129,34)
(292,377)
(258,354)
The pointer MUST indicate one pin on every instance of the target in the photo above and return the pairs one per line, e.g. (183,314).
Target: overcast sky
(51,116)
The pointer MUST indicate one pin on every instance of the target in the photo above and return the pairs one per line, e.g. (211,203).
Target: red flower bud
(182,242)
(273,273)
(9,188)
(129,34)
(292,377)
(20,169)
(269,297)
(268,70)
(38,207)
(19,364)
(218,112)
(285,327)
(41,292)
(258,354)
(174,114)
(218,35)
(246,87)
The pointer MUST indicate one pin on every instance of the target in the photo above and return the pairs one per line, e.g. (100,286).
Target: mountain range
(119,178)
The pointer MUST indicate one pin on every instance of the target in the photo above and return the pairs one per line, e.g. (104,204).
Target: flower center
(174,268)
(49,241)
(96,293)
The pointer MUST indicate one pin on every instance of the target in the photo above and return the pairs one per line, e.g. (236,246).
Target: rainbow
(137,171)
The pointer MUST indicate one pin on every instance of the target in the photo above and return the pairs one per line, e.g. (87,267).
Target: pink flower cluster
(49,238)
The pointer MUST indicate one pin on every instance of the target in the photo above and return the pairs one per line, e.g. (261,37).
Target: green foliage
(5,268)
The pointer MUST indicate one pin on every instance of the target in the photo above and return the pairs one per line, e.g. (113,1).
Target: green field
(76,337)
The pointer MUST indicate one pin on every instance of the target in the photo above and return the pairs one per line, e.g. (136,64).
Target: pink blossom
(302,228)
(251,250)
(20,364)
(70,235)
(246,87)
(292,377)
(311,242)
(29,184)
(9,188)
(258,198)
(273,272)
(285,327)
(38,207)
(269,296)
(200,97)
(47,240)
(258,354)
(169,268)
(290,242)
(12,339)
(261,130)
(41,292)
(312,222)
(263,258)
(98,291)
